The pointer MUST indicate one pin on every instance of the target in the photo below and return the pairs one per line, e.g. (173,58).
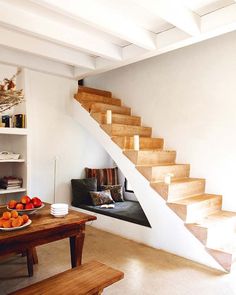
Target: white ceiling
(77,38)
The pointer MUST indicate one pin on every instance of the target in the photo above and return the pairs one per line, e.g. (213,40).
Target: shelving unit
(15,140)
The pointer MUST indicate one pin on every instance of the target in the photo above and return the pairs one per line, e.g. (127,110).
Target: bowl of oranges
(13,221)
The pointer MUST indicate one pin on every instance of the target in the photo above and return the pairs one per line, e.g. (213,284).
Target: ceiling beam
(25,60)
(19,41)
(52,30)
(213,24)
(174,12)
(101,17)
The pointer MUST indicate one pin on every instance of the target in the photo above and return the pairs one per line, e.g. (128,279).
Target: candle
(109,117)
(136,142)
(167,178)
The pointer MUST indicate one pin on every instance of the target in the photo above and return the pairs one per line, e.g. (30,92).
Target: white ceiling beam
(19,41)
(214,24)
(18,58)
(100,17)
(174,12)
(57,32)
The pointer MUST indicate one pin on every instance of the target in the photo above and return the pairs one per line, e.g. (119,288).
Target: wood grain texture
(89,278)
(145,143)
(126,130)
(157,173)
(151,157)
(45,229)
(117,118)
(102,107)
(94,91)
(87,97)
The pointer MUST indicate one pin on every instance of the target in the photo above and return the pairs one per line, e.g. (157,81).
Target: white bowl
(59,215)
(59,206)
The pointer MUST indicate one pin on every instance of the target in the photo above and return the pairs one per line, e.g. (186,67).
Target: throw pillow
(100,198)
(81,189)
(103,176)
(116,192)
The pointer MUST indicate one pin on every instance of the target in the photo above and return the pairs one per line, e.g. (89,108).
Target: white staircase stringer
(168,232)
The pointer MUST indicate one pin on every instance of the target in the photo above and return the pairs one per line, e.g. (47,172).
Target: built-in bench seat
(88,279)
(130,211)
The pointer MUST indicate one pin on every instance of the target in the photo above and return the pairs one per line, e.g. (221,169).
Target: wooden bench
(90,278)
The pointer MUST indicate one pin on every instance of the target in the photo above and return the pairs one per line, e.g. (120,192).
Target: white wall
(54,134)
(188,96)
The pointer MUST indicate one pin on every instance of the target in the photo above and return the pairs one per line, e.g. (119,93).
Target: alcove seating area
(101,193)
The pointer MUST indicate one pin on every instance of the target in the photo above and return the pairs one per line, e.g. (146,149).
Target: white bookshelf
(12,191)
(15,140)
(13,131)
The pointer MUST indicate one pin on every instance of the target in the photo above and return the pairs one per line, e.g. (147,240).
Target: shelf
(13,131)
(18,190)
(12,161)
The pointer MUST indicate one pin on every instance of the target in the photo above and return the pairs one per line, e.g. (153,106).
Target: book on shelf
(11,182)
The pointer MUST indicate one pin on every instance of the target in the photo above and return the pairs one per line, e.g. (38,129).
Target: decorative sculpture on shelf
(9,96)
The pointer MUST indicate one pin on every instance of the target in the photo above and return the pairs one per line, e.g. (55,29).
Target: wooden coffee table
(45,229)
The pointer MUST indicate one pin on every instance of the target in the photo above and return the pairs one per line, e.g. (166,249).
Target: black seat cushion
(128,210)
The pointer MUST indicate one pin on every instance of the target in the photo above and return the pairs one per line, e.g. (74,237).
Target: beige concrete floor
(147,271)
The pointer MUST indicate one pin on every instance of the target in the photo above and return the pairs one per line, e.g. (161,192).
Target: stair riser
(124,130)
(83,97)
(158,173)
(117,119)
(192,213)
(103,108)
(203,209)
(179,191)
(94,91)
(144,143)
(151,158)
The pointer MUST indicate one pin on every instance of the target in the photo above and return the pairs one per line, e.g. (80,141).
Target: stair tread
(107,104)
(118,115)
(215,218)
(195,199)
(151,150)
(126,125)
(180,180)
(159,165)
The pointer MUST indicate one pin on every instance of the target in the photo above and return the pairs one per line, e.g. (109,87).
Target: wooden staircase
(201,213)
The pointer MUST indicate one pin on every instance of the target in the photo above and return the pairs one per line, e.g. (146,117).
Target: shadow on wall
(128,195)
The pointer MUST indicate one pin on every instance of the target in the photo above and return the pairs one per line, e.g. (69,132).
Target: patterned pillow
(103,176)
(116,192)
(100,198)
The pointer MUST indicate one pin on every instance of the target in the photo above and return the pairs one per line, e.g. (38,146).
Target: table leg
(30,261)
(35,256)
(76,247)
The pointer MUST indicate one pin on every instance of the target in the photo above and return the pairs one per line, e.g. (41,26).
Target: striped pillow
(103,176)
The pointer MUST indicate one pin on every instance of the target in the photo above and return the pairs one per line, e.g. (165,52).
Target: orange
(6,215)
(25,218)
(6,223)
(14,214)
(1,222)
(17,222)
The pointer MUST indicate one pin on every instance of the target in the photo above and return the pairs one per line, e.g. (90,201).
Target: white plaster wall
(55,135)
(188,96)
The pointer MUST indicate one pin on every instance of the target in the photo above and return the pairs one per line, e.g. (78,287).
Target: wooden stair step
(157,173)
(94,91)
(126,130)
(117,119)
(89,97)
(150,157)
(127,142)
(103,107)
(224,256)
(180,188)
(194,208)
(216,229)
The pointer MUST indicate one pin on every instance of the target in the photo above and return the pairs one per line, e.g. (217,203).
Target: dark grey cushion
(81,189)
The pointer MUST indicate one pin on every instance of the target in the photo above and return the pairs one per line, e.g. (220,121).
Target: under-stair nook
(199,214)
